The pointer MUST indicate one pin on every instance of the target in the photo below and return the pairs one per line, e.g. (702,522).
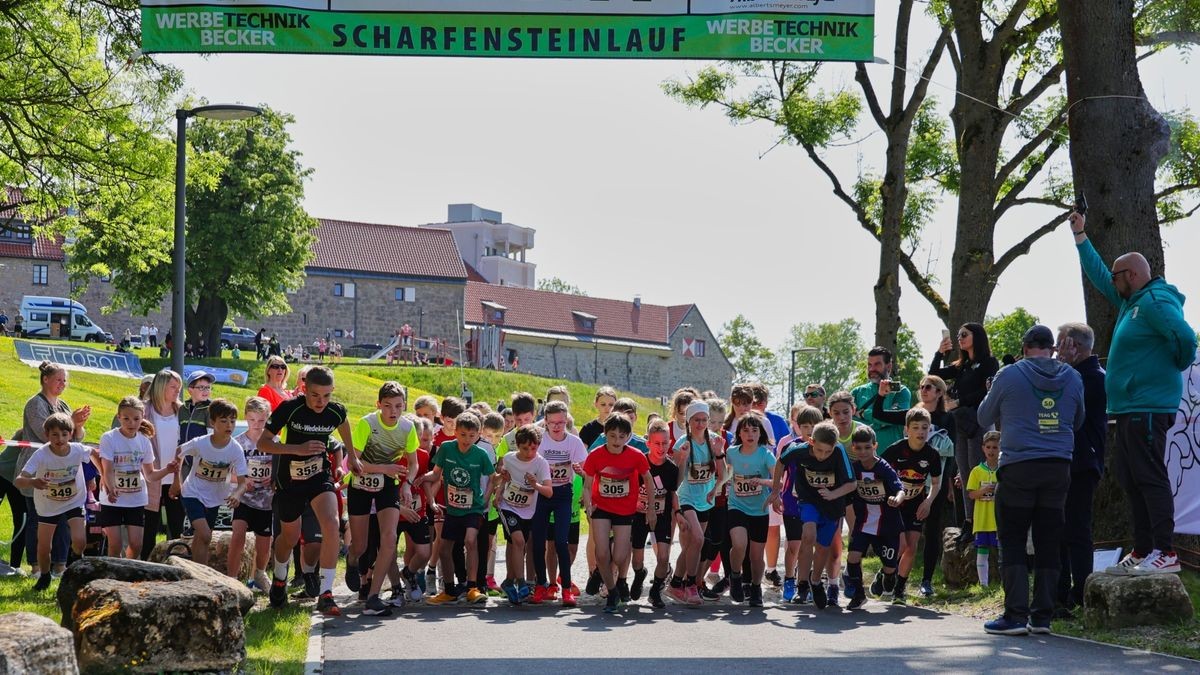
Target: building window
(698,348)
(338,290)
(41,275)
(407,294)
(338,332)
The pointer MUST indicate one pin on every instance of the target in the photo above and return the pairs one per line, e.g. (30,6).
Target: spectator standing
(1075,341)
(879,369)
(144,333)
(259,351)
(3,323)
(1039,403)
(153,335)
(1151,344)
(275,389)
(814,395)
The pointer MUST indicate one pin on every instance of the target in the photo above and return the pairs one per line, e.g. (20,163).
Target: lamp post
(792,377)
(178,258)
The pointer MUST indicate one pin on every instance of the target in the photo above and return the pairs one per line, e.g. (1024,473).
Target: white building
(494,248)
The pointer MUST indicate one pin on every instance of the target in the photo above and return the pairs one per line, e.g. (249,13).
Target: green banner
(806,30)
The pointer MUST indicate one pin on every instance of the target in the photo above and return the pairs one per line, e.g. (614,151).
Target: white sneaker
(1158,563)
(1126,565)
(262,581)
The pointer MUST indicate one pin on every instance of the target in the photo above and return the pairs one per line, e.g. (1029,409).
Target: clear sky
(631,192)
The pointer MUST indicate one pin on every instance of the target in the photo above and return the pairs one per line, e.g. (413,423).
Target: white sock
(981,566)
(306,568)
(281,569)
(327,579)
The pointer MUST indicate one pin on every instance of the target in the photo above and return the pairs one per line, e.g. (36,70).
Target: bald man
(1151,344)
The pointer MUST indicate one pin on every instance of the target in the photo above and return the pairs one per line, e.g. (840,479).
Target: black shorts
(701,516)
(756,526)
(454,528)
(641,530)
(291,501)
(908,511)
(793,528)
(613,519)
(572,534)
(116,516)
(310,527)
(257,521)
(359,502)
(490,527)
(63,517)
(419,531)
(887,546)
(514,523)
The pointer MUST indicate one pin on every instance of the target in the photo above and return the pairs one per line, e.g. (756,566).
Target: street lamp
(224,112)
(792,378)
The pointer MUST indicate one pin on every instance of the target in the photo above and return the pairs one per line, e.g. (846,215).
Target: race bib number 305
(614,488)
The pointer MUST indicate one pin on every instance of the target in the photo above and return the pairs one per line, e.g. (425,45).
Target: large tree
(248,237)
(751,359)
(836,361)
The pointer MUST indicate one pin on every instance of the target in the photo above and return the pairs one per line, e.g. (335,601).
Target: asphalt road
(877,639)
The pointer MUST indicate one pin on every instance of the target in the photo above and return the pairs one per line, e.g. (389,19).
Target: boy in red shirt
(610,496)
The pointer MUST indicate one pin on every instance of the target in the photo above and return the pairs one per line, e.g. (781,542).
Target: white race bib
(614,488)
(129,481)
(459,498)
(560,473)
(746,486)
(209,471)
(259,470)
(519,496)
(700,473)
(303,469)
(912,490)
(368,482)
(819,479)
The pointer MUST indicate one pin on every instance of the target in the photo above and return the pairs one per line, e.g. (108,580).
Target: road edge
(314,657)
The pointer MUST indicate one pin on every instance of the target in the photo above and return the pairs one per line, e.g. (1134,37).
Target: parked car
(242,337)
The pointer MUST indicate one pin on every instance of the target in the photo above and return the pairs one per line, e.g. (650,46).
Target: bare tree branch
(1170,37)
(864,81)
(921,88)
(1022,247)
(1017,106)
(1052,127)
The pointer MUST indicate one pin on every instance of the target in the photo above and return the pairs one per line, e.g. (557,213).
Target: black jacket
(1090,440)
(969,380)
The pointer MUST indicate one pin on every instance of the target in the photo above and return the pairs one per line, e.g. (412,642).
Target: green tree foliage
(1006,330)
(751,359)
(838,361)
(556,285)
(248,237)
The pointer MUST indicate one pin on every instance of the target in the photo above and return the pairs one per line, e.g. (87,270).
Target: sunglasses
(926,387)
(201,387)
(964,334)
(813,394)
(1117,273)
(276,366)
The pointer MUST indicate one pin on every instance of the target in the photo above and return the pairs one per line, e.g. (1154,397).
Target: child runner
(566,454)
(804,419)
(492,432)
(700,456)
(303,475)
(207,487)
(253,514)
(461,465)
(55,473)
(384,436)
(449,411)
(822,472)
(525,477)
(915,461)
(416,520)
(751,463)
(877,519)
(606,397)
(611,501)
(981,487)
(666,504)
(841,412)
(127,462)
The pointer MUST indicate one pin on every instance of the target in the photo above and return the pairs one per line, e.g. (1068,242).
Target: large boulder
(86,570)
(33,645)
(1111,601)
(194,570)
(218,552)
(958,561)
(155,627)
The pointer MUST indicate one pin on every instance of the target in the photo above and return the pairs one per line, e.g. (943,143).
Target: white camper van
(47,316)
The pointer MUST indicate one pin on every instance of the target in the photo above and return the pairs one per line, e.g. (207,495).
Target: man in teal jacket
(1151,345)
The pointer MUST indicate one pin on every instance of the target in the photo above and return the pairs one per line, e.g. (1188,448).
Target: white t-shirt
(127,456)
(211,466)
(166,437)
(517,497)
(67,489)
(561,455)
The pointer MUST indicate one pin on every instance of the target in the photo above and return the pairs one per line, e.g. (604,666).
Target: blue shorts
(986,540)
(196,511)
(826,527)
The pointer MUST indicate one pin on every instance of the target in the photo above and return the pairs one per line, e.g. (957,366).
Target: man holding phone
(897,397)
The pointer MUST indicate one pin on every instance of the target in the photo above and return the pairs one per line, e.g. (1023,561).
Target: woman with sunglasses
(932,394)
(275,390)
(970,373)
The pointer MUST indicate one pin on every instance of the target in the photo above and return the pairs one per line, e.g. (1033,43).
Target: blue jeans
(560,505)
(62,538)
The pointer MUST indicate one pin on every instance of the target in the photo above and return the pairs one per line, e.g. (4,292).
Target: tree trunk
(1116,143)
(205,321)
(893,194)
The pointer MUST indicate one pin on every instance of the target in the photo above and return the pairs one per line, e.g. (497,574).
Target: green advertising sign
(802,30)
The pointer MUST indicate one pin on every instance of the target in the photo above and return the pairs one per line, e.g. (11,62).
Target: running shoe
(833,595)
(623,592)
(819,598)
(593,583)
(655,595)
(539,595)
(1005,626)
(568,598)
(261,581)
(399,596)
(710,594)
(353,580)
(525,591)
(877,584)
(789,590)
(312,584)
(899,598)
(693,596)
(551,592)
(420,579)
(773,577)
(415,595)
(610,607)
(858,599)
(510,591)
(736,589)
(327,606)
(1127,564)
(278,593)
(803,597)
(492,586)
(476,596)
(43,582)
(442,598)
(1039,626)
(375,607)
(635,589)
(1158,562)
(926,588)
(678,594)
(756,595)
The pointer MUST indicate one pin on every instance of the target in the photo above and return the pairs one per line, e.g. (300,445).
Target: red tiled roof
(473,274)
(387,249)
(552,313)
(41,248)
(675,315)
(12,197)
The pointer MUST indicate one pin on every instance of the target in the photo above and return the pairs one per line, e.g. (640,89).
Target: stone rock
(32,644)
(89,569)
(1111,601)
(153,627)
(218,552)
(194,570)
(958,561)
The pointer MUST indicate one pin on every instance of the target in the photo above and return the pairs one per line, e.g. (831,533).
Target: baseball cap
(198,375)
(1038,336)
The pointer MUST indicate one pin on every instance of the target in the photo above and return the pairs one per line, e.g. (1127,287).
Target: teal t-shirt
(699,475)
(745,494)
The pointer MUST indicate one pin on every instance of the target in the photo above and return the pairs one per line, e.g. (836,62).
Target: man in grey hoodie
(1038,402)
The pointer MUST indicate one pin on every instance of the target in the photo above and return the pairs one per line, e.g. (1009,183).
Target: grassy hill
(356,387)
